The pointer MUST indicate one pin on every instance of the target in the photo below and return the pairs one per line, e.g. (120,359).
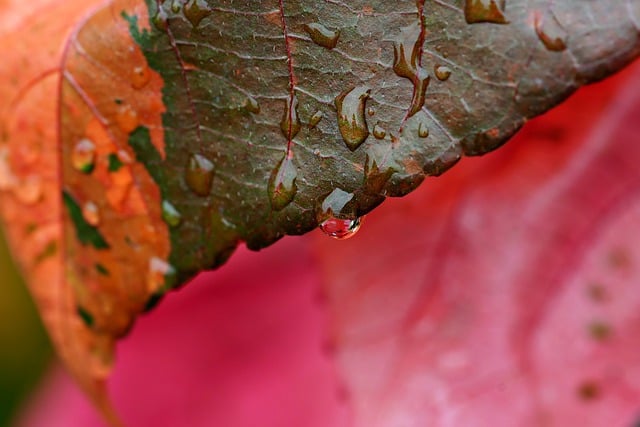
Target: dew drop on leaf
(195,11)
(160,20)
(290,123)
(351,120)
(199,175)
(282,183)
(176,5)
(252,105)
(406,64)
(423,130)
(379,132)
(492,11)
(550,32)
(315,119)
(371,111)
(140,76)
(127,118)
(442,72)
(170,214)
(29,190)
(340,229)
(83,156)
(91,214)
(322,36)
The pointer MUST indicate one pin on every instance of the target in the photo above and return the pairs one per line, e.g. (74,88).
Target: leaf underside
(187,127)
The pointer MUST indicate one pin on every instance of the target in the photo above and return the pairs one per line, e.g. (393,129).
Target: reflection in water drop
(282,183)
(161,276)
(340,229)
(199,175)
(371,111)
(351,120)
(290,123)
(442,72)
(91,214)
(322,36)
(315,119)
(492,11)
(550,32)
(83,156)
(170,214)
(176,5)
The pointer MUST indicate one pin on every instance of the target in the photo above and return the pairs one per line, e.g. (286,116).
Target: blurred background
(25,351)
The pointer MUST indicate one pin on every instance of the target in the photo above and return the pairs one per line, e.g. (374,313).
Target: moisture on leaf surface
(188,127)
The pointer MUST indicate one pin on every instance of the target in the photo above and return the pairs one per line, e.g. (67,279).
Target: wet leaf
(188,127)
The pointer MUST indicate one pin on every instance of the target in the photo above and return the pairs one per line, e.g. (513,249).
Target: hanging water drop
(83,156)
(199,175)
(322,36)
(170,214)
(282,183)
(492,11)
(442,72)
(340,229)
(91,214)
(351,120)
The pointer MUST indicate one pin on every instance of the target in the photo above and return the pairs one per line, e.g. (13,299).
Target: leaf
(254,325)
(187,127)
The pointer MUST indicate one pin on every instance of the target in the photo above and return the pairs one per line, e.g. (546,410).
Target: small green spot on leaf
(114,163)
(86,317)
(86,233)
(102,270)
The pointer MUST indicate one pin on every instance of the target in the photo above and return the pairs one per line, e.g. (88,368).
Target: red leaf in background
(504,293)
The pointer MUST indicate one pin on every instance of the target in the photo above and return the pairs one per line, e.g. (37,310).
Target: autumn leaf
(426,330)
(188,127)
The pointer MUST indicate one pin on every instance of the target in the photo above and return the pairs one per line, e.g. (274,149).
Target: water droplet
(492,11)
(351,120)
(29,190)
(423,130)
(176,5)
(322,36)
(406,64)
(170,214)
(91,214)
(442,72)
(340,229)
(290,123)
(161,19)
(379,132)
(282,183)
(83,156)
(315,119)
(127,118)
(371,111)
(252,105)
(199,175)
(550,32)
(140,76)
(195,11)
(335,203)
